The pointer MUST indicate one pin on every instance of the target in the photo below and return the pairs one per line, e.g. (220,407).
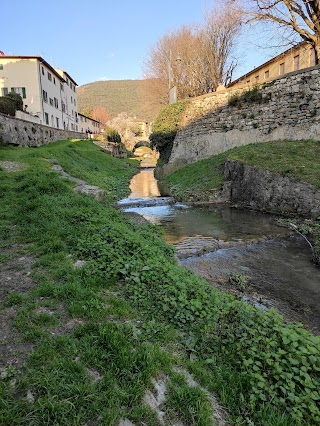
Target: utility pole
(172,90)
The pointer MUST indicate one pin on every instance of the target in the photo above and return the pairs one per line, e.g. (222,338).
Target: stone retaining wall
(14,131)
(289,109)
(249,186)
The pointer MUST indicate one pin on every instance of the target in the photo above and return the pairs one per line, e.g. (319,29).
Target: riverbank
(202,182)
(106,327)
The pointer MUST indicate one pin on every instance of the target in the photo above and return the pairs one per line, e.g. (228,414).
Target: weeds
(239,280)
(253,95)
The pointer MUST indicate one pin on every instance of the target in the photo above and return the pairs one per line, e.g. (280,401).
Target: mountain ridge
(116,96)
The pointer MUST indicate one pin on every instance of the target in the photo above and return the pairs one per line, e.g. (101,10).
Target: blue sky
(96,40)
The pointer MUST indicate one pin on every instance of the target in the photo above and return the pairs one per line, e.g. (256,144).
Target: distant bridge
(140,144)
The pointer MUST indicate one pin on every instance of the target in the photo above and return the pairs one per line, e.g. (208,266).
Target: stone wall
(116,150)
(289,109)
(14,131)
(249,186)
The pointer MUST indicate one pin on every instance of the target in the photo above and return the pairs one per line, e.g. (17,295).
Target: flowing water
(218,241)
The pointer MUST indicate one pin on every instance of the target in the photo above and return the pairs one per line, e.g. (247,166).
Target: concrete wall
(263,190)
(290,109)
(14,131)
(27,117)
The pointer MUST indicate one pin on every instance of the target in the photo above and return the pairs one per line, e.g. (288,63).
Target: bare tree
(125,125)
(196,59)
(100,114)
(218,38)
(294,17)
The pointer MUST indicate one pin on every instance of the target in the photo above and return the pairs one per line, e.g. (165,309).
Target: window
(45,95)
(57,122)
(61,87)
(67,81)
(49,76)
(56,103)
(266,75)
(281,69)
(4,91)
(1,67)
(51,101)
(248,81)
(74,101)
(257,78)
(296,62)
(63,107)
(46,118)
(81,118)
(71,100)
(312,57)
(74,88)
(54,80)
(42,70)
(20,90)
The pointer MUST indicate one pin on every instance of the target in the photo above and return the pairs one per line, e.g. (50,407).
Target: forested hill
(130,96)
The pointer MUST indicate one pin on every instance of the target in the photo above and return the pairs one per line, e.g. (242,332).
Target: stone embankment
(116,150)
(249,186)
(14,131)
(288,108)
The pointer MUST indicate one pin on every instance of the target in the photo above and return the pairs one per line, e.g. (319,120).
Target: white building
(69,101)
(47,93)
(87,123)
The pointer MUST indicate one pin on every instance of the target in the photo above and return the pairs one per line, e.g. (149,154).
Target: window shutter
(24,93)
(12,89)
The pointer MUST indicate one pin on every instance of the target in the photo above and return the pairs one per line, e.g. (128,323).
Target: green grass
(197,181)
(295,159)
(131,313)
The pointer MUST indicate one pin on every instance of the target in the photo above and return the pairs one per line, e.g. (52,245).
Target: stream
(216,241)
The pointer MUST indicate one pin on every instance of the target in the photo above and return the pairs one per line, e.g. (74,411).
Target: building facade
(46,93)
(87,124)
(69,101)
(296,58)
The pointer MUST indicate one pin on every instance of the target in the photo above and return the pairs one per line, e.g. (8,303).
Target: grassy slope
(297,159)
(118,96)
(136,313)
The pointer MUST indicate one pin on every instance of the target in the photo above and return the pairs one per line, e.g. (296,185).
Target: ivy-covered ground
(99,325)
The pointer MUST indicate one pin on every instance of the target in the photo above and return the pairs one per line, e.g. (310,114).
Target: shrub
(7,106)
(112,135)
(10,103)
(17,99)
(165,128)
(234,99)
(253,95)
